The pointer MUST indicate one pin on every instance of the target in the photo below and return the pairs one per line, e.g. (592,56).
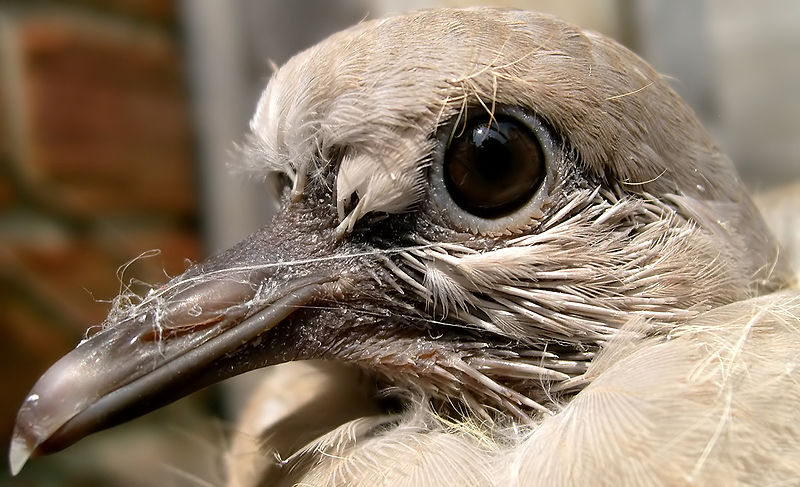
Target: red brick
(6,189)
(70,277)
(106,138)
(173,250)
(161,11)
(5,137)
(78,276)
(7,193)
(108,128)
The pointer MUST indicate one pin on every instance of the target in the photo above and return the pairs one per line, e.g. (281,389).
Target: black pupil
(494,167)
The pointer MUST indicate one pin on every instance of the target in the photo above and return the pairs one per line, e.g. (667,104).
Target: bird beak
(213,322)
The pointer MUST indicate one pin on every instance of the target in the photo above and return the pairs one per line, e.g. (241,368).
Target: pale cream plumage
(713,405)
(626,323)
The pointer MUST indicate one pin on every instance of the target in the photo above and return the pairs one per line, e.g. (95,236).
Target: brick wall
(96,167)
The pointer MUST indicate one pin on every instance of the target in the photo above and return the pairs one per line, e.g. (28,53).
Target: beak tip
(19,453)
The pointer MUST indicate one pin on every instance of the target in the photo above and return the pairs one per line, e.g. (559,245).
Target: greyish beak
(213,322)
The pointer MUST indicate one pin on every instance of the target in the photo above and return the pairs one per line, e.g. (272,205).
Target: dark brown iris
(494,167)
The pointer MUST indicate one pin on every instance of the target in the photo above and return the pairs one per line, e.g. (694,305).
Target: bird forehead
(380,89)
(375,94)
(400,73)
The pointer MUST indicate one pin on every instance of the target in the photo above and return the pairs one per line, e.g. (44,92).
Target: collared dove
(518,256)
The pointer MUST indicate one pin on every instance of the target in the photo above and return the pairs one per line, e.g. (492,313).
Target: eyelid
(528,214)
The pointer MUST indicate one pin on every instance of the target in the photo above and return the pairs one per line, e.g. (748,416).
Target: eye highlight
(492,174)
(494,166)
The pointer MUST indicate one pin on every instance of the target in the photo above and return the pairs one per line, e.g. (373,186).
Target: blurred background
(117,121)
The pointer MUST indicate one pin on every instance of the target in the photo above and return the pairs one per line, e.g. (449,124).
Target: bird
(507,253)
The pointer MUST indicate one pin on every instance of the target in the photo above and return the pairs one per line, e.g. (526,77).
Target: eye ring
(493,174)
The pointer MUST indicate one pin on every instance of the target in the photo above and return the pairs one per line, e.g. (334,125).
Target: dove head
(371,98)
(474,201)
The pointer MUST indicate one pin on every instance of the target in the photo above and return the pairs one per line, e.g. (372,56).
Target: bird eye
(491,173)
(493,167)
